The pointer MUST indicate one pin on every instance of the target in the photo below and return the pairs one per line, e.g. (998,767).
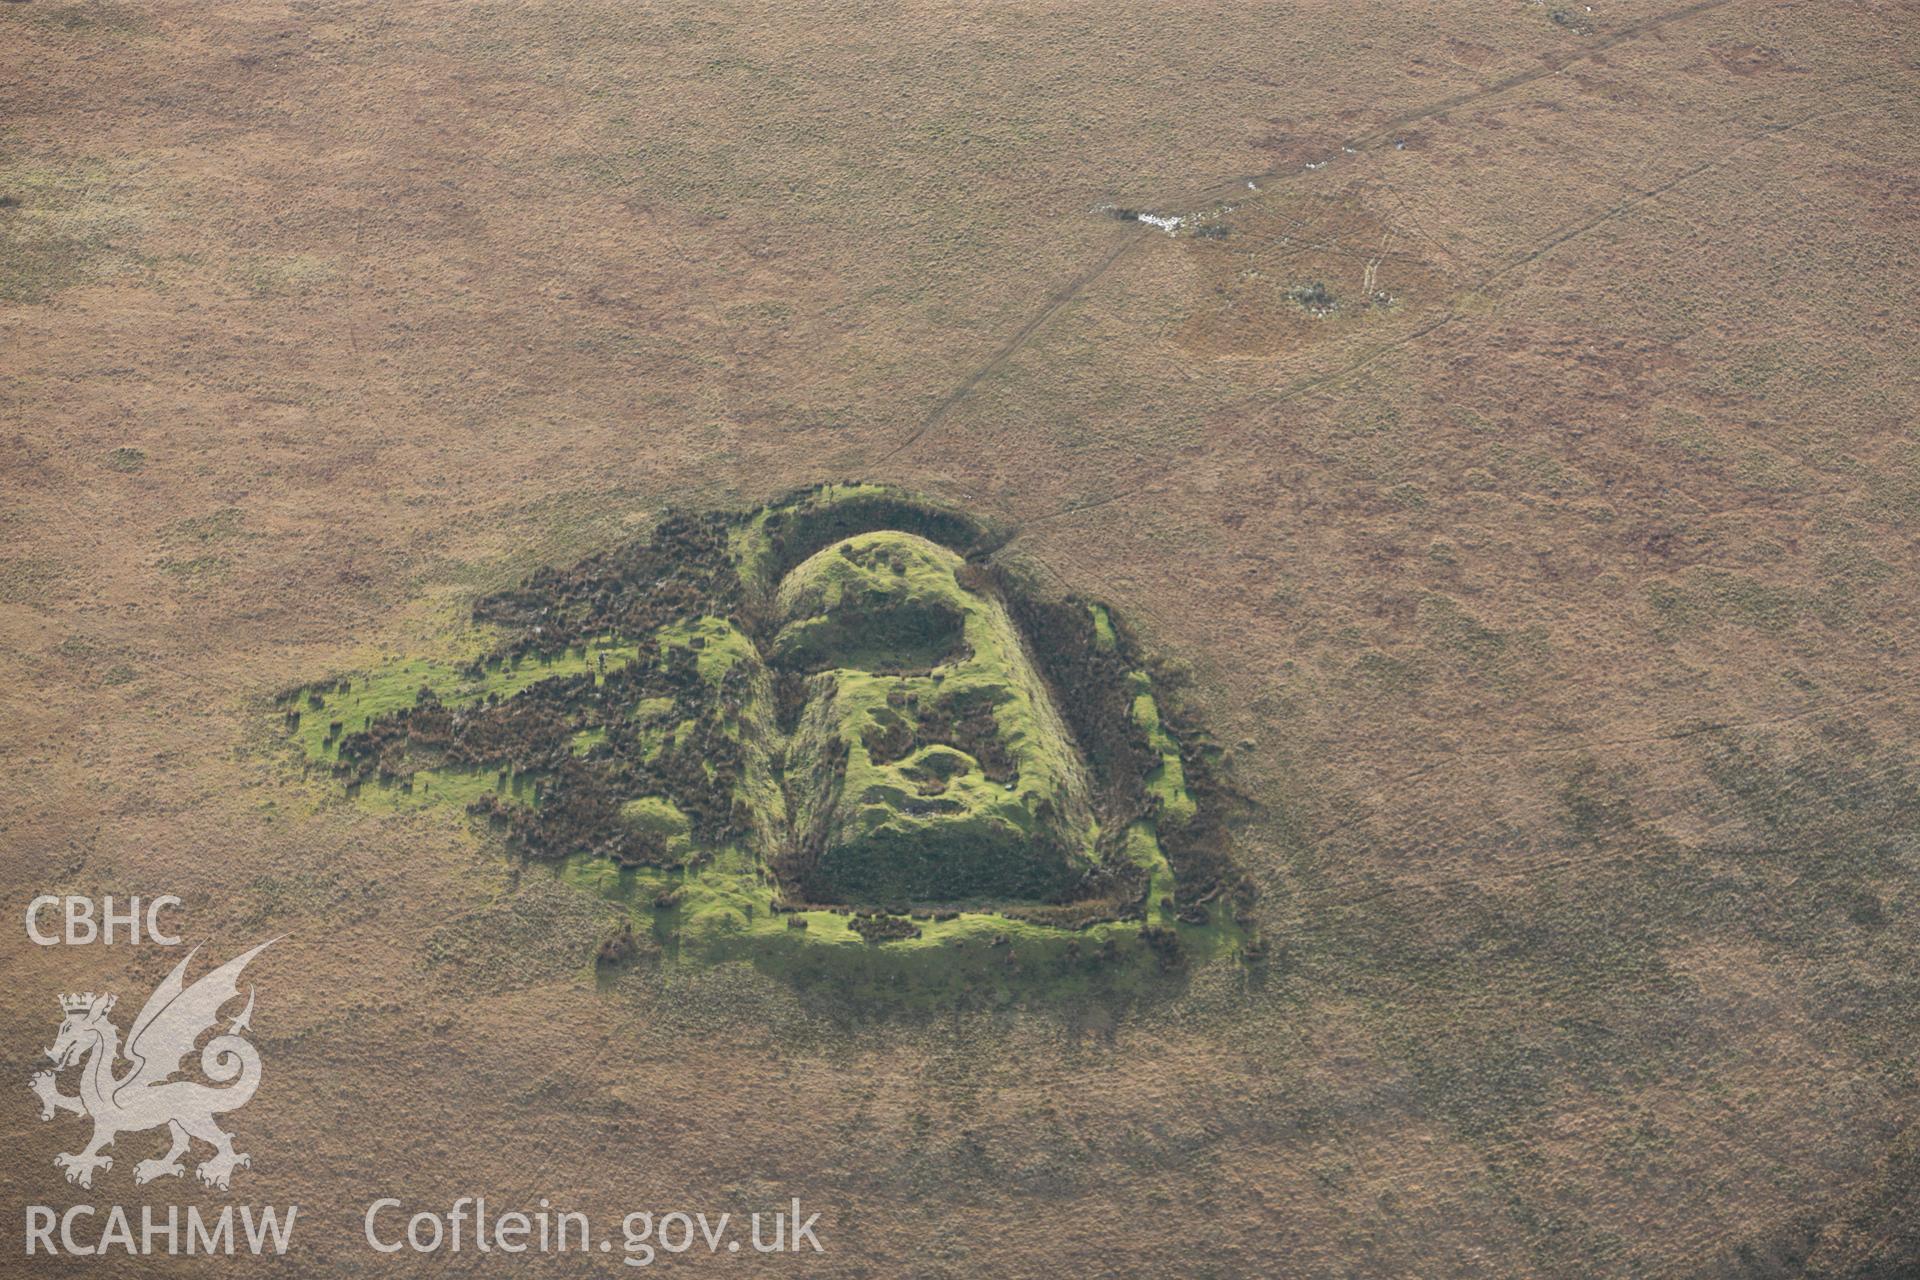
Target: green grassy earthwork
(934,816)
(894,643)
(724,911)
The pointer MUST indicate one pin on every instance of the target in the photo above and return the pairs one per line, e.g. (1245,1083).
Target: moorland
(1494,420)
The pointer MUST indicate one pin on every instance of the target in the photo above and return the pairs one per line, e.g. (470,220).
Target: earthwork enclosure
(829,721)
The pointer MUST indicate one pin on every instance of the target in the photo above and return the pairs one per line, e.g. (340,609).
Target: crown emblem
(77,1003)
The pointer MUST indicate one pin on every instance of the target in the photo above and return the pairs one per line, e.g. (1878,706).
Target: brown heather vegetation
(1548,583)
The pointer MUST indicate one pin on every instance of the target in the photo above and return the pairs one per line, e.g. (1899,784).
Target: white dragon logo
(145,1097)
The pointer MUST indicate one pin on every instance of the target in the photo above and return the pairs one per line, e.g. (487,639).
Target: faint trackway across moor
(1552,242)
(1057,301)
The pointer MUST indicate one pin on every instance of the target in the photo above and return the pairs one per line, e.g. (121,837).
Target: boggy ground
(1558,611)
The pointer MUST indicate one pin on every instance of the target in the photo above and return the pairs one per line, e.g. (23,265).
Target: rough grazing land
(1513,437)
